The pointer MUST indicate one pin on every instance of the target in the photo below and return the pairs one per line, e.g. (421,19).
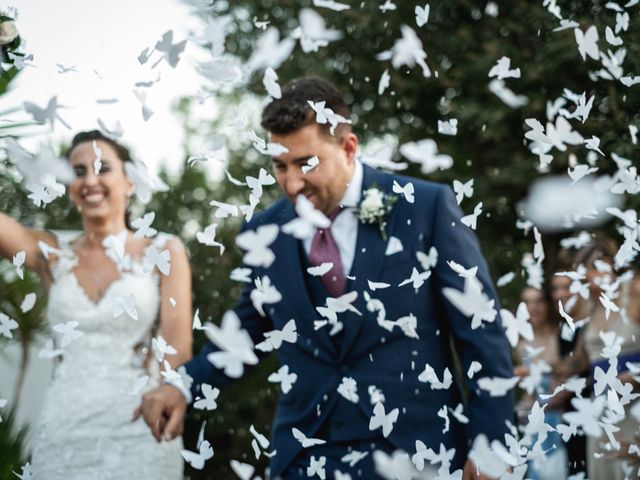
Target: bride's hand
(163,410)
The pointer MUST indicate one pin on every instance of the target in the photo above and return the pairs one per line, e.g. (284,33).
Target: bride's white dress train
(85,429)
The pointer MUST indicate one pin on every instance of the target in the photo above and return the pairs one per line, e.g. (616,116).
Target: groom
(373,375)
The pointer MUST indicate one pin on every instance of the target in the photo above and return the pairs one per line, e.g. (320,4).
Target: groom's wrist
(180,386)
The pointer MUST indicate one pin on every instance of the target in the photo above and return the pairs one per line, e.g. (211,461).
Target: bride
(107,302)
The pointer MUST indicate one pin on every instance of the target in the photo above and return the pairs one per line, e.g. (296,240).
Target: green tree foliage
(463,43)
(12,289)
(12,439)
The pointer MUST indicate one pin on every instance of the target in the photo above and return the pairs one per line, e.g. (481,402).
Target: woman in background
(533,362)
(611,338)
(560,291)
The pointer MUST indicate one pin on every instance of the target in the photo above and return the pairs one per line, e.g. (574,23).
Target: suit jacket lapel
(290,269)
(368,258)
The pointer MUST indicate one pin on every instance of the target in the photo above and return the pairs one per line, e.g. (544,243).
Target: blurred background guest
(609,340)
(534,360)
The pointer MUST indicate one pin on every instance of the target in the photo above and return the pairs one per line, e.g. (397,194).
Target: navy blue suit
(368,353)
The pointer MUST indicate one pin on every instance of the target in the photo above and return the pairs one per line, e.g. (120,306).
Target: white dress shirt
(344,228)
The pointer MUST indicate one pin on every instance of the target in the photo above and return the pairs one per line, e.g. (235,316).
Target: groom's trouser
(334,452)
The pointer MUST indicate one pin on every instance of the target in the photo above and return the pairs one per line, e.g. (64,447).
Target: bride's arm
(15,237)
(175,321)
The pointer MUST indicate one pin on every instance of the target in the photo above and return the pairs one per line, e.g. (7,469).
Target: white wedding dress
(85,429)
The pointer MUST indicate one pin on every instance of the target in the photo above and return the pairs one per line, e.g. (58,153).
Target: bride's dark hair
(122,152)
(91,135)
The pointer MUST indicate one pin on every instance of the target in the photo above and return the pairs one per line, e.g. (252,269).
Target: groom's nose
(293,183)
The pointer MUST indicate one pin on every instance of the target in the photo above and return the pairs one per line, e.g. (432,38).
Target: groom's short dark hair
(292,111)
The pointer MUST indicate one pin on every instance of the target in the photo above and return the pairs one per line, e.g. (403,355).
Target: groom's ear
(349,144)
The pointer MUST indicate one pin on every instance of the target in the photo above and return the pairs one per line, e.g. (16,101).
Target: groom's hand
(470,472)
(163,411)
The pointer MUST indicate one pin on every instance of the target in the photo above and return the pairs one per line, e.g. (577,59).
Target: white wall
(38,376)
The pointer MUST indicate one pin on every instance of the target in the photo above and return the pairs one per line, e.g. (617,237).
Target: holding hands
(163,410)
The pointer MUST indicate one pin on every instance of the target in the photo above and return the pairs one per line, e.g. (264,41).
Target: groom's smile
(324,185)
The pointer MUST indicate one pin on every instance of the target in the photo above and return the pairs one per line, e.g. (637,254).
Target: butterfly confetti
(154,258)
(256,243)
(271,149)
(471,220)
(68,332)
(304,440)
(28,302)
(313,32)
(18,262)
(6,325)
(394,245)
(407,190)
(312,163)
(317,467)
(348,388)
(381,419)
(49,114)
(429,376)
(408,51)
(325,115)
(244,471)
(171,51)
(161,348)
(208,401)
(384,82)
(143,226)
(422,15)
(48,350)
(256,184)
(197,459)
(275,338)
(97,162)
(308,220)
(517,326)
(126,305)
(506,95)
(425,153)
(331,5)
(284,378)
(416,279)
(502,69)
(270,50)
(235,344)
(588,43)
(270,82)
(448,127)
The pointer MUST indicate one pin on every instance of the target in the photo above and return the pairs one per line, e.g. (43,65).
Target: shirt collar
(351,197)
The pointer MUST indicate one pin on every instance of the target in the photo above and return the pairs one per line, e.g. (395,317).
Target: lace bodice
(106,326)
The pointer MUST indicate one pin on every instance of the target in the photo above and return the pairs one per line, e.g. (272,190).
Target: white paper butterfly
(407,190)
(380,419)
(274,338)
(284,378)
(208,402)
(256,243)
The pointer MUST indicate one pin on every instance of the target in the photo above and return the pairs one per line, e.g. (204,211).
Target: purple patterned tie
(324,249)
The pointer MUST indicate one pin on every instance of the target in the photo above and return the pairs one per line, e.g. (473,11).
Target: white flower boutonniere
(374,208)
